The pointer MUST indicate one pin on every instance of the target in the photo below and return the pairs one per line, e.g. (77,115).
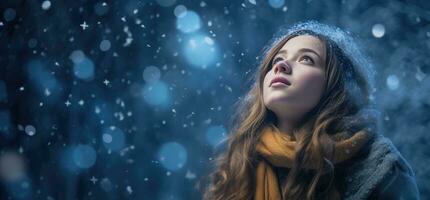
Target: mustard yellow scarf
(278,149)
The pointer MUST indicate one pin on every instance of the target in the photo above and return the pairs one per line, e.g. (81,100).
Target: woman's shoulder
(378,171)
(400,184)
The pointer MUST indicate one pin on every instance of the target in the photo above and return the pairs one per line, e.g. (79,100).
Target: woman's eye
(307,59)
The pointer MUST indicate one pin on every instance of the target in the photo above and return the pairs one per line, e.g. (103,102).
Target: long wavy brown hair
(339,109)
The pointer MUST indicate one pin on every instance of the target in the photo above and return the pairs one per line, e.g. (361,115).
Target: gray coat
(377,172)
(382,173)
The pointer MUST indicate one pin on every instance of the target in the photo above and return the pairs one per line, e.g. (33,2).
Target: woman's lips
(278,84)
(279,81)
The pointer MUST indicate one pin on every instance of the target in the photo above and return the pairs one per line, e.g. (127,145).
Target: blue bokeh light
(215,135)
(172,156)
(106,184)
(38,73)
(188,22)
(113,138)
(84,156)
(392,82)
(44,81)
(276,3)
(156,93)
(180,10)
(84,69)
(9,14)
(200,51)
(151,74)
(105,45)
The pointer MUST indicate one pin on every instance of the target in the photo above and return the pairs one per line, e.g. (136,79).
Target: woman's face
(301,61)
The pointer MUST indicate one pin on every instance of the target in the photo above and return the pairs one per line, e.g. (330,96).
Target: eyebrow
(284,51)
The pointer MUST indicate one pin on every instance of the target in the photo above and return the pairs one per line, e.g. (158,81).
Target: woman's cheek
(267,79)
(311,82)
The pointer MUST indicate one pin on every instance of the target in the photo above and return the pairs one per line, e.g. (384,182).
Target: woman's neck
(286,127)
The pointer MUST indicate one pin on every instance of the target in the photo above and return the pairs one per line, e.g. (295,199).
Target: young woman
(307,128)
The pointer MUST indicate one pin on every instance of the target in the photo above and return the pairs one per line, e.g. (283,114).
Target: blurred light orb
(30,130)
(200,51)
(77,56)
(9,14)
(166,3)
(46,5)
(276,3)
(107,138)
(83,67)
(12,167)
(378,30)
(84,156)
(155,93)
(32,43)
(113,138)
(215,135)
(180,10)
(84,70)
(172,156)
(106,184)
(392,82)
(42,78)
(188,22)
(151,74)
(105,45)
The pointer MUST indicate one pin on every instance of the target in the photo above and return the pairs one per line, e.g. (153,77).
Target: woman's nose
(282,67)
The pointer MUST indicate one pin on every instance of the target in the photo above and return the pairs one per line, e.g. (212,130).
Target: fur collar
(363,174)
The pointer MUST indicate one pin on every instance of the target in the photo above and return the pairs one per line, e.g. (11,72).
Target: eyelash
(277,59)
(312,61)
